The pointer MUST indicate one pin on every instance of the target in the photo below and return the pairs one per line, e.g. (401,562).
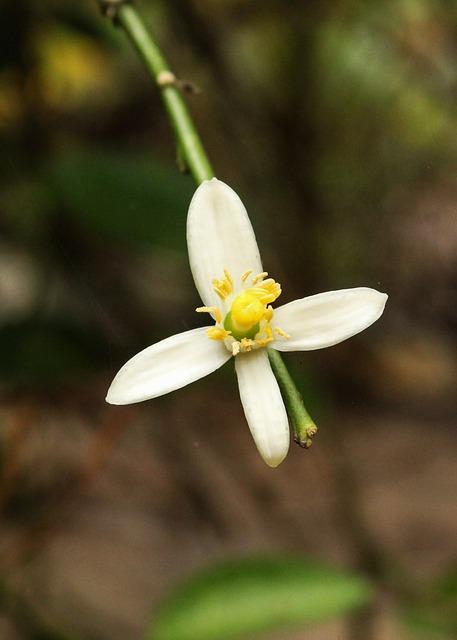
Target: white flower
(225,263)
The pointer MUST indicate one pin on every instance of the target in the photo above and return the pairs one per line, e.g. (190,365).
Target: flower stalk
(192,156)
(192,153)
(303,425)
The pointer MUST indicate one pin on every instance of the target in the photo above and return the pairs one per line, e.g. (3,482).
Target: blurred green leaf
(42,353)
(255,595)
(125,198)
(435,615)
(26,205)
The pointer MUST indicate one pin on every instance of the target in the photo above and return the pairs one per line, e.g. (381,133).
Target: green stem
(189,140)
(191,151)
(304,427)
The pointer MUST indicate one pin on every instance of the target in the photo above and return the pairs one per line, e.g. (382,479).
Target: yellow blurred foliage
(68,71)
(73,70)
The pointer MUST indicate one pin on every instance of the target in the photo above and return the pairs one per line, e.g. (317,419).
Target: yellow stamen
(246,344)
(213,310)
(235,348)
(264,337)
(217,333)
(247,321)
(228,277)
(223,287)
(268,314)
(262,342)
(259,277)
(267,291)
(246,275)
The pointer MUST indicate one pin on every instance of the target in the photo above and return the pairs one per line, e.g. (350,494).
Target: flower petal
(219,236)
(327,318)
(166,366)
(263,406)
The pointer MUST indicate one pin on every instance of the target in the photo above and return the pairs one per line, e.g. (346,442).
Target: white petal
(166,366)
(219,236)
(327,318)
(263,406)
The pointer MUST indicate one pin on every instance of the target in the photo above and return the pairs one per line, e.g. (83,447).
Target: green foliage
(251,596)
(435,616)
(127,199)
(42,353)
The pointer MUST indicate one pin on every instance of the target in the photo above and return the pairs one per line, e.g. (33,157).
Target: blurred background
(336,122)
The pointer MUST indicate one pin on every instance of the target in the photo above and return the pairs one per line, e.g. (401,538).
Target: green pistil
(236,332)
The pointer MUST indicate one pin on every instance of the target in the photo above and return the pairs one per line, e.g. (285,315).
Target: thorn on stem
(188,87)
(168,79)
(109,8)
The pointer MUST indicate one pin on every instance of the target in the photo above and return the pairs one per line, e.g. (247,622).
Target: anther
(259,277)
(217,333)
(223,287)
(246,344)
(235,348)
(228,276)
(246,275)
(213,310)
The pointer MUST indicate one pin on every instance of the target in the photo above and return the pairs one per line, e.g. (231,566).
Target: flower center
(246,325)
(243,318)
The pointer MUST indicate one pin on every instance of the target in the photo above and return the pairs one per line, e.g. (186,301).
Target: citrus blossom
(239,295)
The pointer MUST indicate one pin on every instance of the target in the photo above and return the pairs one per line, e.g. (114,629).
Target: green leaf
(44,353)
(257,595)
(434,615)
(126,198)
